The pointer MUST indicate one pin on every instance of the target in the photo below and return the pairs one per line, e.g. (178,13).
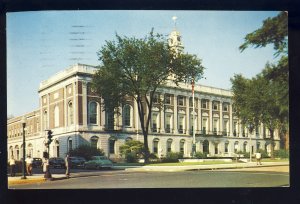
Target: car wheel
(98,167)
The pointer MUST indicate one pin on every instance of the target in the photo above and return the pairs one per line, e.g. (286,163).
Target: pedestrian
(29,161)
(258,158)
(12,164)
(68,165)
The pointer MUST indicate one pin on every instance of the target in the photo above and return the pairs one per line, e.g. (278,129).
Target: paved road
(254,177)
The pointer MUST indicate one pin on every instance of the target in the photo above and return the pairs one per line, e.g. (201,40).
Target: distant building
(70,108)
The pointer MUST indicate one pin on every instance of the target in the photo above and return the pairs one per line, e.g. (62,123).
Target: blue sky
(42,43)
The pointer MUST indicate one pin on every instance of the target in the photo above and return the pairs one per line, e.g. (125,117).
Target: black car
(56,162)
(37,162)
(77,162)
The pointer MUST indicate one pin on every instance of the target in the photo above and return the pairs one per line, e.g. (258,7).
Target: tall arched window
(94,141)
(112,145)
(17,152)
(56,116)
(181,145)
(93,112)
(127,115)
(45,120)
(155,145)
(245,147)
(206,147)
(30,150)
(236,146)
(70,144)
(70,113)
(169,145)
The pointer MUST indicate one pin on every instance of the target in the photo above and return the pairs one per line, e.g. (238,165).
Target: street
(108,179)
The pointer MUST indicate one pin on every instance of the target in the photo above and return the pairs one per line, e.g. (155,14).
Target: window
(111,146)
(206,147)
(168,124)
(215,106)
(126,113)
(93,112)
(94,141)
(180,100)
(204,125)
(169,145)
(204,104)
(156,98)
(154,122)
(226,147)
(110,120)
(155,146)
(216,149)
(70,144)
(225,127)
(70,113)
(181,146)
(45,120)
(56,116)
(167,99)
(234,128)
(225,107)
(180,130)
(215,125)
(236,146)
(245,146)
(257,146)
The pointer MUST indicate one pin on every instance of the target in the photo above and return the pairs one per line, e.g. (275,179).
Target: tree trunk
(272,143)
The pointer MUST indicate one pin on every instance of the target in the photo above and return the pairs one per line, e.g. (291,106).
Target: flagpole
(194,121)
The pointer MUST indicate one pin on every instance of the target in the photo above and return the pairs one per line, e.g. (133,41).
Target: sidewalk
(204,167)
(38,178)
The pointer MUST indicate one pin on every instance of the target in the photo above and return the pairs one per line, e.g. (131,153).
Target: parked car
(56,162)
(77,162)
(98,162)
(37,162)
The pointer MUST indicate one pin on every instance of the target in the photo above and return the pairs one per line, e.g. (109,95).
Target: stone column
(84,106)
(66,114)
(199,125)
(221,117)
(230,120)
(175,115)
(210,128)
(162,118)
(76,121)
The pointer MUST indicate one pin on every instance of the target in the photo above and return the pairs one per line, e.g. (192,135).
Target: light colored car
(98,162)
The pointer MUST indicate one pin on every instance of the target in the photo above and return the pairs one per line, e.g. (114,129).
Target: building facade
(71,109)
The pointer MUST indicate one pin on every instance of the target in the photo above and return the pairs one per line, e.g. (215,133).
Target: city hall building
(72,110)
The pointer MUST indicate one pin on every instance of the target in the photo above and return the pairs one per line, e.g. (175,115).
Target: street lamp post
(250,142)
(23,121)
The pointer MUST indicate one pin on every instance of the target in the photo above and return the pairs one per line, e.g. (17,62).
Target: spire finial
(174,18)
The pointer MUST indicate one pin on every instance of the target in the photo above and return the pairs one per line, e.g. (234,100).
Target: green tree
(275,31)
(132,150)
(86,151)
(134,68)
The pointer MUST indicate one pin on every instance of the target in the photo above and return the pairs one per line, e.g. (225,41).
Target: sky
(42,43)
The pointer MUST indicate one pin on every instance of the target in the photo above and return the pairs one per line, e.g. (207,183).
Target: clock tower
(175,39)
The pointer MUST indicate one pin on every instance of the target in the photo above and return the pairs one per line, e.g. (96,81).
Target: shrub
(281,154)
(86,151)
(173,157)
(131,157)
(200,155)
(132,146)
